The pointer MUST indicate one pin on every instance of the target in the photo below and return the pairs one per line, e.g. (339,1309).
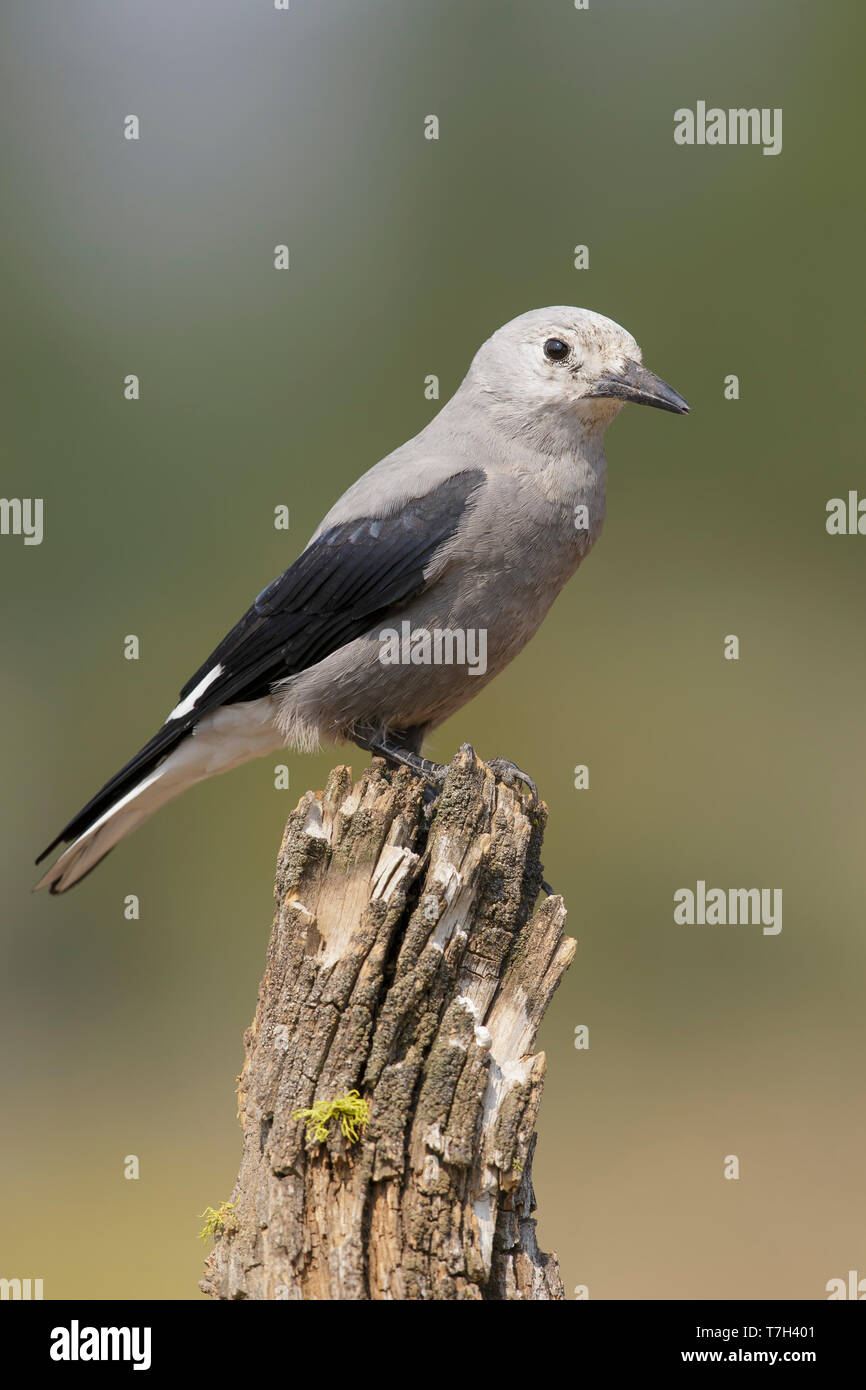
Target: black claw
(510,773)
(551,892)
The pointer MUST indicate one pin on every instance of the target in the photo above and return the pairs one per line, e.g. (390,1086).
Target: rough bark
(408,960)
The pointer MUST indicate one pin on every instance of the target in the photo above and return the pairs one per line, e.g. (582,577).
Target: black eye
(556,349)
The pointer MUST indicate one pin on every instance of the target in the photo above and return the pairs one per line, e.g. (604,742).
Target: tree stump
(406,963)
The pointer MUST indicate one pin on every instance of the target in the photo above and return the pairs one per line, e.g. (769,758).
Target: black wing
(342,584)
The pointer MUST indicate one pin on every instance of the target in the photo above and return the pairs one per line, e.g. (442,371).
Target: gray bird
(423,581)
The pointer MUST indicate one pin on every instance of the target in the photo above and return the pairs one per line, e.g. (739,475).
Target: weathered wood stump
(406,963)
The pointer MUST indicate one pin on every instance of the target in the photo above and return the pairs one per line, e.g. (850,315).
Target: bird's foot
(510,774)
(433,774)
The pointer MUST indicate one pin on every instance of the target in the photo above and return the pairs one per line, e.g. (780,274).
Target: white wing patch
(195,695)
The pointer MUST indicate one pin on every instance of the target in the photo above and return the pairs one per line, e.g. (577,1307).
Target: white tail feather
(224,739)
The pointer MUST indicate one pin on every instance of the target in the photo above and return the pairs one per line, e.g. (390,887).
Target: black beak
(635,383)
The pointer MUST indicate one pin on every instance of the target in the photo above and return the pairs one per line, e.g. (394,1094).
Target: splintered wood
(408,963)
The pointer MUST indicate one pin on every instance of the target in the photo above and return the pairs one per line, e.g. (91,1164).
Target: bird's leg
(510,773)
(380,743)
(377,741)
(434,773)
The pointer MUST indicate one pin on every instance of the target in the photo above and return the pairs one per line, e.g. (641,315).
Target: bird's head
(569,367)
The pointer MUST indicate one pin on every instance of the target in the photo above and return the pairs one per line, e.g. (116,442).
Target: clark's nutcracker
(466,534)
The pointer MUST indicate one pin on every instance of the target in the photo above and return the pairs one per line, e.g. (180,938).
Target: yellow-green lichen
(216,1219)
(352,1111)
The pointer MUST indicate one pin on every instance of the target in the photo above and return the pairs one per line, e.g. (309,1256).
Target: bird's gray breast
(523,536)
(520,545)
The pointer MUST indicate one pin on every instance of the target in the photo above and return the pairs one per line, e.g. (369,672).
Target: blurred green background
(261,388)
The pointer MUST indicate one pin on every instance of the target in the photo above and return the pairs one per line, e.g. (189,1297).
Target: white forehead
(592,332)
